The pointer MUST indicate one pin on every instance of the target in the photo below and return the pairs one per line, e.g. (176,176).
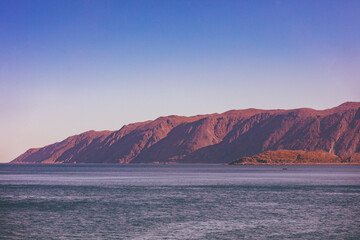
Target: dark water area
(179,202)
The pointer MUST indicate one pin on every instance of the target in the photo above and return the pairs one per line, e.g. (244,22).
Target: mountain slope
(212,138)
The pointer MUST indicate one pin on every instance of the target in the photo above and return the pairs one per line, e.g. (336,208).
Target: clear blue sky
(71,66)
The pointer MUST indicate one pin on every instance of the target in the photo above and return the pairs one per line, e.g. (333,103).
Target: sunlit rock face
(296,157)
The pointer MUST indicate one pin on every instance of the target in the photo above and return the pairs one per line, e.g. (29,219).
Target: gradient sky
(72,66)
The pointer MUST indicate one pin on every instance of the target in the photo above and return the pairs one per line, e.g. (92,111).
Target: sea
(179,202)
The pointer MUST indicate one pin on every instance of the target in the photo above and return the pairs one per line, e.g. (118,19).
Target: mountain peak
(349,105)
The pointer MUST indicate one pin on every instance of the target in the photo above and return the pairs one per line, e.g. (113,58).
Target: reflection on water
(179,202)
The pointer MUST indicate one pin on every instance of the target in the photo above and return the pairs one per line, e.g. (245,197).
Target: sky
(69,66)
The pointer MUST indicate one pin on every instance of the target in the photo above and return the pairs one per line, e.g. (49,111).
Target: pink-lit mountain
(212,138)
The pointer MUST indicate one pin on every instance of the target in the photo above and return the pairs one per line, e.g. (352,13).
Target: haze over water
(179,202)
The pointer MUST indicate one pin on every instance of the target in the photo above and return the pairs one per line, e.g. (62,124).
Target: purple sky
(72,66)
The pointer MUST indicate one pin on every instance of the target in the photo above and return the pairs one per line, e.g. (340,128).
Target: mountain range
(212,138)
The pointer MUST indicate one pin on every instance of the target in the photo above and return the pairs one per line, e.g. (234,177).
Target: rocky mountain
(212,138)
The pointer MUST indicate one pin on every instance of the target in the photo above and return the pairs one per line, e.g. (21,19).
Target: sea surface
(179,202)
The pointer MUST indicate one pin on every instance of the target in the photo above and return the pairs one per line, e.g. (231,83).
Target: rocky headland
(296,157)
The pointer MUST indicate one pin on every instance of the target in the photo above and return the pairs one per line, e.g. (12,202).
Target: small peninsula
(296,157)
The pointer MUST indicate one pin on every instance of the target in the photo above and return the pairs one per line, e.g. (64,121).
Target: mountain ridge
(211,138)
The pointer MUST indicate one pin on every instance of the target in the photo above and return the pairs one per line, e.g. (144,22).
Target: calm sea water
(179,202)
